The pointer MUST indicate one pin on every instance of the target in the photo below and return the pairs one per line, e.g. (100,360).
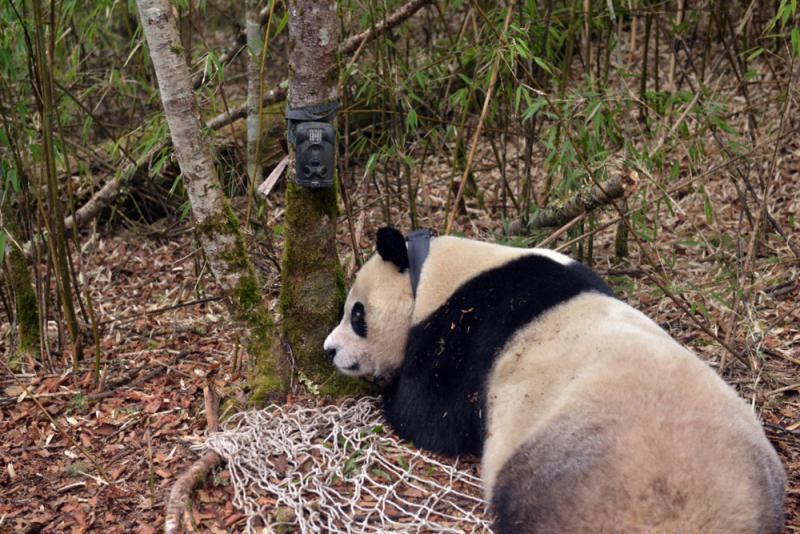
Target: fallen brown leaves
(140,428)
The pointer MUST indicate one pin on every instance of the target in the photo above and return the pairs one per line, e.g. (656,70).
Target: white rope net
(338,468)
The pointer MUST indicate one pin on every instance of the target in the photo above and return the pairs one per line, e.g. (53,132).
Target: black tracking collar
(419,244)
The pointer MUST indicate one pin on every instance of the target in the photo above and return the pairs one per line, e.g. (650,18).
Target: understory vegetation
(656,140)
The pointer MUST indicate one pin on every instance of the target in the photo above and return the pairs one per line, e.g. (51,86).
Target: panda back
(438,399)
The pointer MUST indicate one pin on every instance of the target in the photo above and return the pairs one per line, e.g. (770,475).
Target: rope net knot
(338,468)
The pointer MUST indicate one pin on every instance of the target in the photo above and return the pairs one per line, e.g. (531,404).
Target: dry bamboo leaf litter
(338,468)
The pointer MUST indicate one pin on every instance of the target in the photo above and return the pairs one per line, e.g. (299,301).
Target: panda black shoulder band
(419,244)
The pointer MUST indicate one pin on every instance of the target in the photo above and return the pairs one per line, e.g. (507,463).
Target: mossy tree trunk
(312,289)
(216,224)
(19,280)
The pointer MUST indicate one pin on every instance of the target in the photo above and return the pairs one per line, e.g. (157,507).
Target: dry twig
(181,492)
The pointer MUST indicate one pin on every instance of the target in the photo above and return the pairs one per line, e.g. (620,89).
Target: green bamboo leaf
(411,120)
(755,53)
(371,162)
(542,64)
(282,24)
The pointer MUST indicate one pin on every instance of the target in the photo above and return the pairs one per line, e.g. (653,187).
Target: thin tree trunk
(672,86)
(19,280)
(254,46)
(26,303)
(312,289)
(216,225)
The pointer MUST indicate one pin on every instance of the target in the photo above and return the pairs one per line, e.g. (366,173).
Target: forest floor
(164,334)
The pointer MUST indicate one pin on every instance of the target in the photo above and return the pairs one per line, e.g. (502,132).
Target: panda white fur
(588,416)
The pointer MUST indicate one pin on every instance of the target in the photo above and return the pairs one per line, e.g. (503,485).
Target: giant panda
(588,416)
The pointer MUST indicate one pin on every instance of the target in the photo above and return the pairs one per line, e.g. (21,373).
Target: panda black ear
(391,246)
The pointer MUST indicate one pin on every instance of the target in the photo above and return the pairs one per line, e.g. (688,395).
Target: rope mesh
(338,469)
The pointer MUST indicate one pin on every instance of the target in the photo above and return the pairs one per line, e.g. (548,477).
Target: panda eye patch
(358,319)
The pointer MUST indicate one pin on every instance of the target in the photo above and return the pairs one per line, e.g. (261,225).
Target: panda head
(370,340)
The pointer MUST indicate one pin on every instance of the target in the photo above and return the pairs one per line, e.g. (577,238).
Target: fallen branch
(106,194)
(398,16)
(103,197)
(239,112)
(181,493)
(583,202)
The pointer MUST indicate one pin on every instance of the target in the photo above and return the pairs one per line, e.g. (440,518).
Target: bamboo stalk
(255,45)
(54,217)
(476,134)
(674,53)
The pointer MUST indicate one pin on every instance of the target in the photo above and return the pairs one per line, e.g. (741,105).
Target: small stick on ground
(181,492)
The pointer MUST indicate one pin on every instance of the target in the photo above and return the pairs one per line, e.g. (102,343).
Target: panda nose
(330,353)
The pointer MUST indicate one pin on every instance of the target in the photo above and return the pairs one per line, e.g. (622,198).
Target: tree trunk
(216,225)
(312,289)
(254,48)
(19,281)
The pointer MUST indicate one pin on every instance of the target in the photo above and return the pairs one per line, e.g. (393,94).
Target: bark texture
(254,48)
(216,224)
(25,303)
(314,36)
(582,202)
(312,289)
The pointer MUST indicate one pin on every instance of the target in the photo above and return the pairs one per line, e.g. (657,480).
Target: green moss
(339,385)
(269,382)
(225,222)
(270,379)
(286,519)
(312,289)
(26,304)
(247,293)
